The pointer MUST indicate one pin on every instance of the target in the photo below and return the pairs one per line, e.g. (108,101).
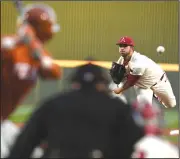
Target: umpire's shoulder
(50,104)
(60,97)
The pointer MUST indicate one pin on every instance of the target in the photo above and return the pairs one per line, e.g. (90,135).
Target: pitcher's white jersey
(153,80)
(142,65)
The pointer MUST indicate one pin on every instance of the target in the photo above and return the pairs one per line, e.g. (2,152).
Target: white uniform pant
(9,133)
(162,90)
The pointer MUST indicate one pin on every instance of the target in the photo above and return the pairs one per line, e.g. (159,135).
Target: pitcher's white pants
(162,90)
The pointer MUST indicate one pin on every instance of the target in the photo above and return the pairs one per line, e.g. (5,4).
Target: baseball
(160,49)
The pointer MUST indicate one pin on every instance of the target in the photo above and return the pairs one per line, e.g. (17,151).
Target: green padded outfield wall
(92,28)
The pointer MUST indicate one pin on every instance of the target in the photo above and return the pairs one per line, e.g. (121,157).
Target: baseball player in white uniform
(152,144)
(147,77)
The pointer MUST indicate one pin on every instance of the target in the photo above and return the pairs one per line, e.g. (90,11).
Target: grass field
(170,118)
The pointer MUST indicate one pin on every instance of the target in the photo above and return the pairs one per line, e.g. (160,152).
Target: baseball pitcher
(139,71)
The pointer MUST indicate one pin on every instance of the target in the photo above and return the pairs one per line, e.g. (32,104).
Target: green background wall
(92,28)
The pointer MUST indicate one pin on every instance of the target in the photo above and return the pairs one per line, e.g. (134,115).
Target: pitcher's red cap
(125,40)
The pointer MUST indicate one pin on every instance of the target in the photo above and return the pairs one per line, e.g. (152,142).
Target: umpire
(84,122)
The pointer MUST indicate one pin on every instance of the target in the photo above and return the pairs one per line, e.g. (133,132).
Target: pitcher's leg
(164,91)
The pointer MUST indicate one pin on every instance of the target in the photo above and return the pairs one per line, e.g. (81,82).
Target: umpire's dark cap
(90,74)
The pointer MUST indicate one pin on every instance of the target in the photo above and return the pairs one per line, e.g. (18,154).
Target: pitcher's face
(124,50)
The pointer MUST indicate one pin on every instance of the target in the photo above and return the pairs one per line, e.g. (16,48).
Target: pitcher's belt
(160,79)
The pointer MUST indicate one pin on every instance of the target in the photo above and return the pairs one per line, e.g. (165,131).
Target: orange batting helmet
(42,18)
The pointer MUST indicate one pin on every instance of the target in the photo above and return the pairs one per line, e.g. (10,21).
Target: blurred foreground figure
(152,145)
(84,122)
(24,59)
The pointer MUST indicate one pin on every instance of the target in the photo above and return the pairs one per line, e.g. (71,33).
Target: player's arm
(48,69)
(131,81)
(135,74)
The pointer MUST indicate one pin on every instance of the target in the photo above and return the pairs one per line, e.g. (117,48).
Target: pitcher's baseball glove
(117,72)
